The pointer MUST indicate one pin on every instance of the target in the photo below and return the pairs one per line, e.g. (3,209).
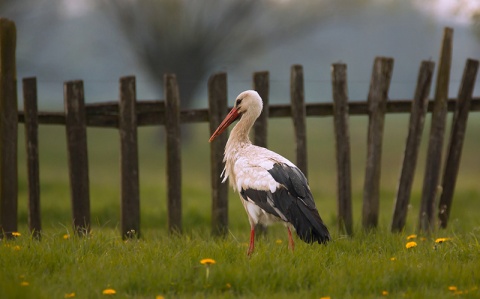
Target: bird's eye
(238,102)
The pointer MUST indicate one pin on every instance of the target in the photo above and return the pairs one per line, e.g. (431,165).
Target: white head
(248,106)
(249,102)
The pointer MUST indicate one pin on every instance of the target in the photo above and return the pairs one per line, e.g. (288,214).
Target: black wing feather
(294,200)
(259,197)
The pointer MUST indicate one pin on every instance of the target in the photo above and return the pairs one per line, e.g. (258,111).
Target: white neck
(241,130)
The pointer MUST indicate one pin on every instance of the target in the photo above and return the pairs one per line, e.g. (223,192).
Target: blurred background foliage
(99,41)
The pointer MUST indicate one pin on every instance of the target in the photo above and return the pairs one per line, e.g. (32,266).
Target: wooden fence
(128,114)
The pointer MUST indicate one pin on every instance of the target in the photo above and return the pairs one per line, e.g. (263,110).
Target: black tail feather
(306,220)
(311,228)
(295,200)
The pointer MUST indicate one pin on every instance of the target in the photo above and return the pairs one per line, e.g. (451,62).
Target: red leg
(291,244)
(252,242)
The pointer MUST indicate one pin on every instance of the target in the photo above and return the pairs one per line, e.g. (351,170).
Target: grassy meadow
(372,264)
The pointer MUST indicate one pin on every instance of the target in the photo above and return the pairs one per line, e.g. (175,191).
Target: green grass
(158,264)
(161,264)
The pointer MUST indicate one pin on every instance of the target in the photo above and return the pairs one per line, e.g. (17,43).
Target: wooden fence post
(437,132)
(75,125)
(217,101)
(31,142)
(297,97)
(457,135)
(261,82)
(342,146)
(174,153)
(8,130)
(415,129)
(377,100)
(130,190)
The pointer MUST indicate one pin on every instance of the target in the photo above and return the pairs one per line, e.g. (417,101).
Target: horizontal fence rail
(152,113)
(128,114)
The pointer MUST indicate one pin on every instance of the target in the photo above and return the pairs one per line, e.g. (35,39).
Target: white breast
(248,166)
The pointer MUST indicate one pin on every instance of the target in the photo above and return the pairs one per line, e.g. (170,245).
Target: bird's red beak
(229,119)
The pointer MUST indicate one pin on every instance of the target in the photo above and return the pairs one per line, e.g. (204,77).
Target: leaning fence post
(415,129)
(261,85)
(217,101)
(342,145)
(437,132)
(377,101)
(75,124)
(8,130)
(457,135)
(297,97)
(127,125)
(174,157)
(31,142)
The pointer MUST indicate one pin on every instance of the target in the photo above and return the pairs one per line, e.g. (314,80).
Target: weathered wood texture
(77,155)
(457,135)
(8,130)
(130,189)
(437,131)
(31,143)
(174,153)
(342,147)
(152,113)
(297,98)
(415,129)
(217,102)
(377,98)
(261,83)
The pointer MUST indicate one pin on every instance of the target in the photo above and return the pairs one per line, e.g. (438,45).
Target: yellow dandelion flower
(69,295)
(228,285)
(16,248)
(384,293)
(441,240)
(66,236)
(16,234)
(393,258)
(207,262)
(411,237)
(159,297)
(325,297)
(411,244)
(24,283)
(278,241)
(452,288)
(109,292)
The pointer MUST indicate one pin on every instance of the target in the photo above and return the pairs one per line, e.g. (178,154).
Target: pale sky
(457,11)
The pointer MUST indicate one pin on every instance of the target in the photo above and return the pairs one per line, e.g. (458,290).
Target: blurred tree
(193,38)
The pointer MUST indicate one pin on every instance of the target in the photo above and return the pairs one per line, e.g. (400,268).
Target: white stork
(271,187)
